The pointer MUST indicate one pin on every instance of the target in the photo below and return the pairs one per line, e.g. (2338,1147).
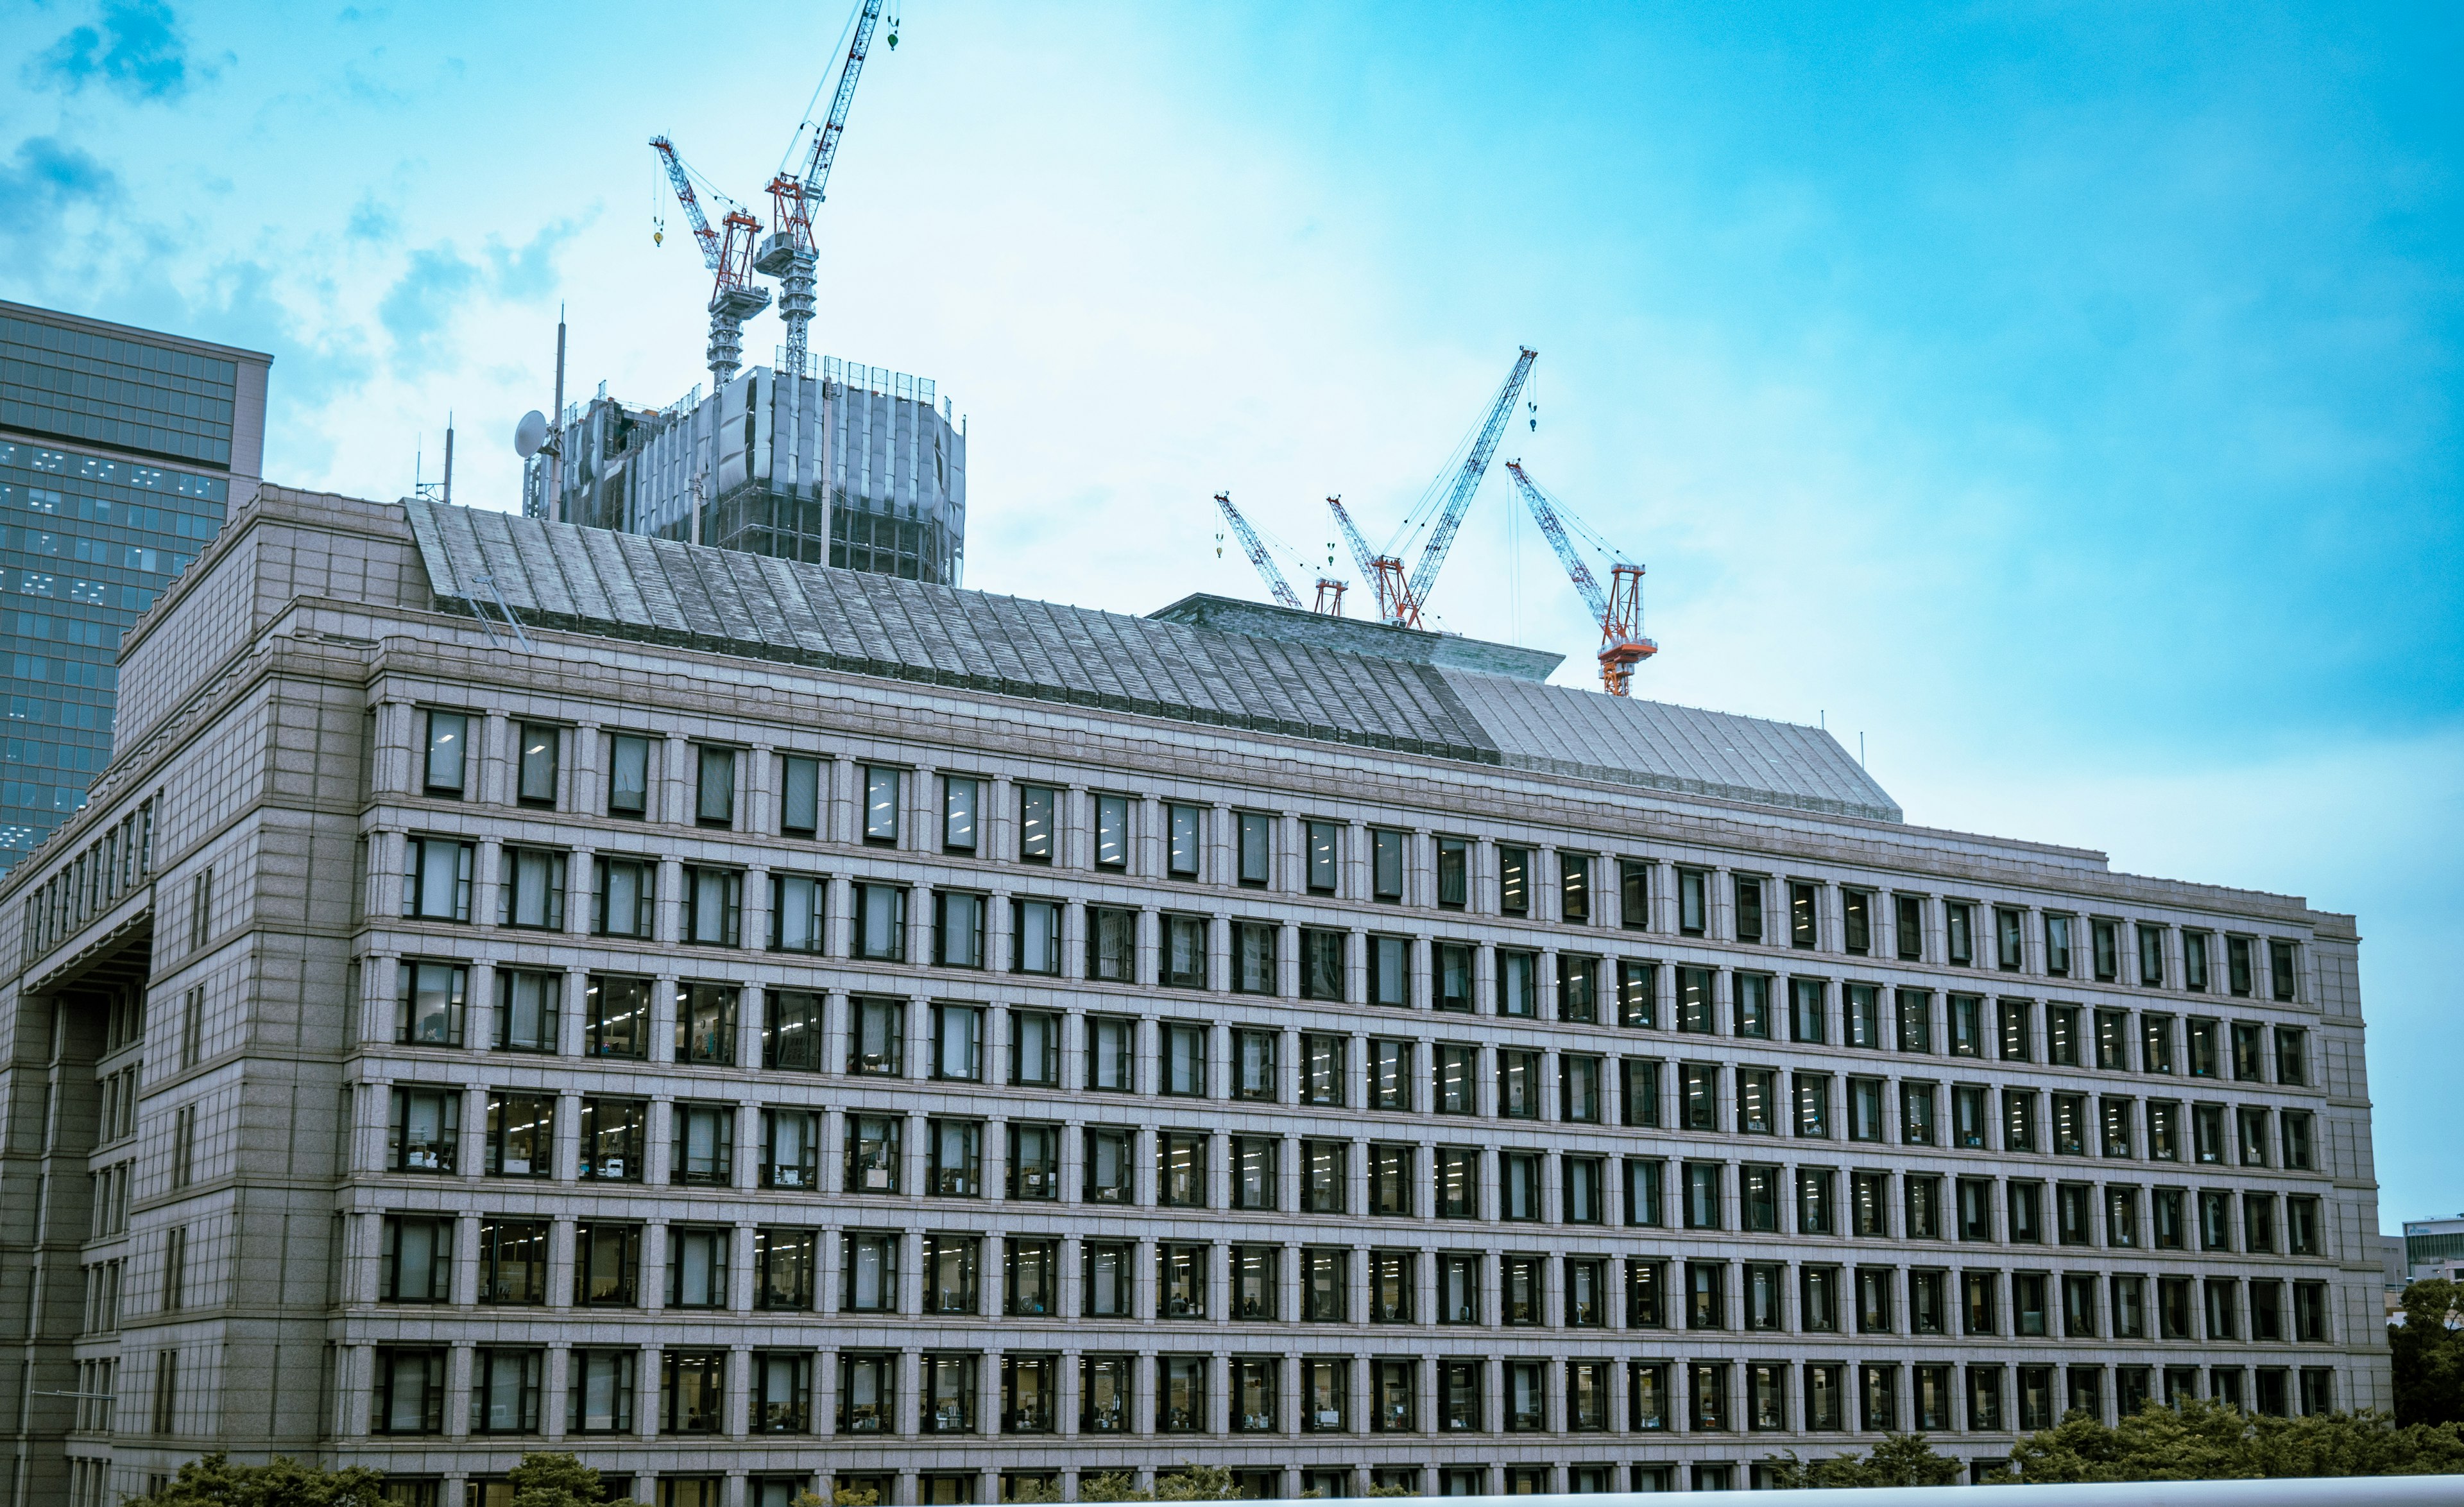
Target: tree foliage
(1901,1459)
(2208,1441)
(214,1482)
(1191,1483)
(2429,1353)
(553,1479)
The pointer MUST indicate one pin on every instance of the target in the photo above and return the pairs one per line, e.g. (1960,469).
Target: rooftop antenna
(448,494)
(555,452)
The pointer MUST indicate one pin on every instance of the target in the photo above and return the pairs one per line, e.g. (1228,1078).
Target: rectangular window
(2151,957)
(607,1265)
(533,891)
(1180,1170)
(628,775)
(1959,941)
(1035,930)
(1325,1285)
(1513,880)
(881,805)
(2291,1062)
(1908,928)
(1638,995)
(881,922)
(1749,893)
(1695,1010)
(1323,956)
(696,1267)
(958,929)
(1804,929)
(1575,888)
(1454,974)
(2194,961)
(706,1023)
(1031,1282)
(1638,1097)
(627,894)
(791,1142)
(1518,992)
(704,1144)
(714,787)
(1634,894)
(959,805)
(513,1261)
(436,879)
(432,1003)
(1390,1074)
(1037,822)
(1458,1183)
(416,1264)
(2058,945)
(1454,872)
(876,1036)
(448,742)
(1111,1054)
(791,1030)
(1112,832)
(1693,905)
(1108,1166)
(712,906)
(1814,1206)
(800,795)
(798,905)
(869,1274)
(1112,945)
(424,1134)
(1753,1010)
(1255,840)
(1966,1026)
(872,1159)
(868,1392)
(1389,977)
(1325,1177)
(1457,1067)
(1322,850)
(520,1135)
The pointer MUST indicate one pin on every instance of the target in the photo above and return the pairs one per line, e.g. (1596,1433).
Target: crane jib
(1424,575)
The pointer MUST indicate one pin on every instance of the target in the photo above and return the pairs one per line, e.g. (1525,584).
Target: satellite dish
(530,434)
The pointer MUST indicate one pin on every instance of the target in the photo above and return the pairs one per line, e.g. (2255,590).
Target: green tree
(1901,1459)
(2429,1353)
(2207,1441)
(1191,1483)
(215,1482)
(552,1478)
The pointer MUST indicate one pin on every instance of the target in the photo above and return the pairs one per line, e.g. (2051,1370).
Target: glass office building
(120,452)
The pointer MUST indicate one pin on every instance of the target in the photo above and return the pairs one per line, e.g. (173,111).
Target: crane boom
(1360,554)
(1555,527)
(1424,575)
(683,184)
(788,253)
(1256,549)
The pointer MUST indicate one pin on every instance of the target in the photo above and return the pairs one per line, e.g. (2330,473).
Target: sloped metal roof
(623,586)
(1681,749)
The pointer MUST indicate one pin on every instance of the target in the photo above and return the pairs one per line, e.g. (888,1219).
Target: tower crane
(787,253)
(1400,595)
(1329,590)
(1618,608)
(1256,549)
(734,295)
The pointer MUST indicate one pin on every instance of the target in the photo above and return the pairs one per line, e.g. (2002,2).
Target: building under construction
(839,464)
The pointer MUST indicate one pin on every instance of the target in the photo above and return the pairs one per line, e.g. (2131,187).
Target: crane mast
(787,253)
(733,297)
(1618,608)
(1400,590)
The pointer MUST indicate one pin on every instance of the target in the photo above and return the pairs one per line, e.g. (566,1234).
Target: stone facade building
(752,1024)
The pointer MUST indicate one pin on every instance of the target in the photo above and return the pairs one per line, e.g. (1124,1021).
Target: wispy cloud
(416,310)
(528,271)
(135,49)
(42,183)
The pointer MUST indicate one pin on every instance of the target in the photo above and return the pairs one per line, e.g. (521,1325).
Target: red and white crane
(788,253)
(1618,608)
(1401,593)
(734,295)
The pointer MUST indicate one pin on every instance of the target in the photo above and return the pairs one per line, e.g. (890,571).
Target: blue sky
(2064,398)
